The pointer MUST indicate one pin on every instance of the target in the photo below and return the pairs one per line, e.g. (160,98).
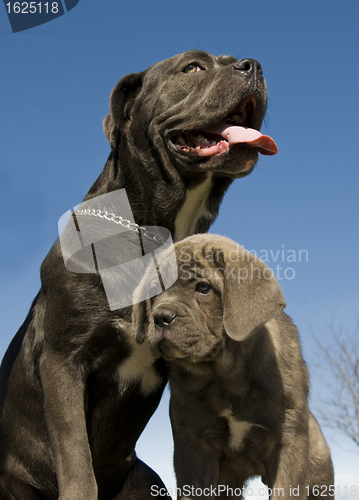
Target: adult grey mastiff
(76,390)
(239,384)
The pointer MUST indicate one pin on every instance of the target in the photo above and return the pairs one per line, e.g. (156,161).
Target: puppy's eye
(192,68)
(203,287)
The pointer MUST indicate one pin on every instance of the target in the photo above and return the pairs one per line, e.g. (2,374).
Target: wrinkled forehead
(205,255)
(201,252)
(197,262)
(178,62)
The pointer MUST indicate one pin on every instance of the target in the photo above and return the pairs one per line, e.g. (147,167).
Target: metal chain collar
(117,219)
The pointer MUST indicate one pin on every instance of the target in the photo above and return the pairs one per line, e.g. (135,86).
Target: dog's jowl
(76,389)
(239,385)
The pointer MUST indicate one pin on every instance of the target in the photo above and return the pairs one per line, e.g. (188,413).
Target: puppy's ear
(121,102)
(252,296)
(139,321)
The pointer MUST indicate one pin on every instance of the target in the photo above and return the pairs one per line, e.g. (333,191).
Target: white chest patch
(139,368)
(193,208)
(238,430)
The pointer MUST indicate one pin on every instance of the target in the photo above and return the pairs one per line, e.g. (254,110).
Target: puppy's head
(222,290)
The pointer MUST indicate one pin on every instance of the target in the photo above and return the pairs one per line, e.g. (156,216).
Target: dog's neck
(193,209)
(200,205)
(185,206)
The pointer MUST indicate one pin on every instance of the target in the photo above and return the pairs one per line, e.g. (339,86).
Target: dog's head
(195,111)
(222,290)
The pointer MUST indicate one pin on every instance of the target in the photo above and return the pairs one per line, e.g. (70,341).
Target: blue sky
(55,85)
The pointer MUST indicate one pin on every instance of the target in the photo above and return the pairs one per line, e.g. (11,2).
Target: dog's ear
(121,101)
(139,321)
(110,132)
(252,296)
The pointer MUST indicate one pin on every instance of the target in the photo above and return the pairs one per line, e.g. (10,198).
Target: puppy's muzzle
(164,317)
(164,320)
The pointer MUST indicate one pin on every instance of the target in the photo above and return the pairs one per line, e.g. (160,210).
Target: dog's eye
(203,287)
(192,68)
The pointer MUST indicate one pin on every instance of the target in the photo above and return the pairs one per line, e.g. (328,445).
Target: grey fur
(239,384)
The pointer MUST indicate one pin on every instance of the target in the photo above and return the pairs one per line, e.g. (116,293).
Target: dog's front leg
(287,470)
(196,467)
(63,386)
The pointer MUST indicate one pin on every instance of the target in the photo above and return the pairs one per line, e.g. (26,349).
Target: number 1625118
(33,7)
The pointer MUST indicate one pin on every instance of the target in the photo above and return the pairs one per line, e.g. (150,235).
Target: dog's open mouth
(234,129)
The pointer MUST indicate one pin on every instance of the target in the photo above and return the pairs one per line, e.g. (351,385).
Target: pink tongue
(237,135)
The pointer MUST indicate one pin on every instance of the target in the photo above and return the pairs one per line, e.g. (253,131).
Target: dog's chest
(138,368)
(238,430)
(193,209)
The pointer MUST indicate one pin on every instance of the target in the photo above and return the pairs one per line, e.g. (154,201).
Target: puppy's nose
(249,66)
(164,317)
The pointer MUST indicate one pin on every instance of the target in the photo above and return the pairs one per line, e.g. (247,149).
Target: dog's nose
(249,66)
(164,317)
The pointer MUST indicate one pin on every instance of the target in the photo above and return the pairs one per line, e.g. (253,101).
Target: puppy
(239,384)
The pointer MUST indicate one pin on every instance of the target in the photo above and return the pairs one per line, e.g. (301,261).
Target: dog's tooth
(199,141)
